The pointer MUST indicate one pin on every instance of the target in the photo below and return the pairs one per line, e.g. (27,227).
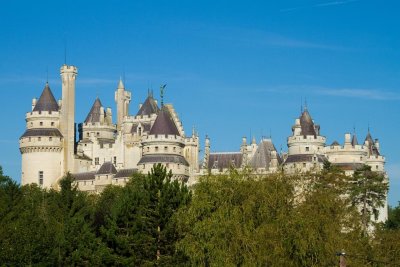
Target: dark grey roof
(304,158)
(42,132)
(163,158)
(354,140)
(164,124)
(225,160)
(94,113)
(125,173)
(335,143)
(348,166)
(307,124)
(371,145)
(149,107)
(107,168)
(146,128)
(46,102)
(84,176)
(262,157)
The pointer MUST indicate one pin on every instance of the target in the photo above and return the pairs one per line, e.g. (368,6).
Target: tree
(368,191)
(393,221)
(139,226)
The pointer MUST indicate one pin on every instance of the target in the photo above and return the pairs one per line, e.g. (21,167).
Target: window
(115,160)
(148,149)
(101,145)
(41,123)
(304,165)
(29,139)
(156,148)
(84,183)
(174,149)
(376,167)
(52,123)
(98,134)
(140,131)
(39,138)
(307,148)
(50,138)
(41,178)
(92,182)
(165,148)
(87,134)
(96,161)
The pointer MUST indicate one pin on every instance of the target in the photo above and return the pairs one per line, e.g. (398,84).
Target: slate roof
(94,113)
(145,128)
(46,102)
(107,168)
(371,145)
(354,140)
(307,124)
(348,166)
(163,158)
(164,124)
(42,132)
(125,173)
(304,158)
(335,143)
(149,107)
(262,157)
(225,160)
(84,176)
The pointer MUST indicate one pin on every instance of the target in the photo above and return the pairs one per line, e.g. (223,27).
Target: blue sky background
(232,67)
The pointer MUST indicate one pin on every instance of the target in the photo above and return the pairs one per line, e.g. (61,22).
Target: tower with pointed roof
(41,145)
(164,144)
(305,145)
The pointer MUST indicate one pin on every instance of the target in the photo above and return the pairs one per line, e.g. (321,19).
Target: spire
(164,124)
(94,114)
(149,107)
(46,102)
(120,84)
(354,140)
(307,124)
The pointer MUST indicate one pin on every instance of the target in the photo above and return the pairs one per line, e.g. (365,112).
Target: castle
(106,153)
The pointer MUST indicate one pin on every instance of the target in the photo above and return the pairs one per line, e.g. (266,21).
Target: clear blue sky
(232,67)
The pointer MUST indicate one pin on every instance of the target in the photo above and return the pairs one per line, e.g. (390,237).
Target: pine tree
(368,191)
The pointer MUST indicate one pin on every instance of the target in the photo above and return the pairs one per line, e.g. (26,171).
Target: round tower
(305,146)
(41,144)
(164,145)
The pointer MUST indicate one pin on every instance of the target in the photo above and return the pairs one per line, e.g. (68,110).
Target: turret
(122,99)
(207,148)
(42,142)
(67,123)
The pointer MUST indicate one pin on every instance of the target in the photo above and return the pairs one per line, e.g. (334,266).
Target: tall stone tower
(67,120)
(122,99)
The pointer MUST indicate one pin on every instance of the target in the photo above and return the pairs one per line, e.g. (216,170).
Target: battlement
(68,69)
(162,137)
(42,114)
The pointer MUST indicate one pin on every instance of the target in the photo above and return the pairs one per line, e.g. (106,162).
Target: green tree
(393,221)
(367,191)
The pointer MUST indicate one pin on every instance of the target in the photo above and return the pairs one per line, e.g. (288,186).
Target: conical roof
(149,107)
(107,168)
(46,102)
(307,124)
(371,145)
(354,140)
(94,113)
(335,143)
(164,124)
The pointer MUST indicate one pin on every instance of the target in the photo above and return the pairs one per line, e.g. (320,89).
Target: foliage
(237,219)
(368,191)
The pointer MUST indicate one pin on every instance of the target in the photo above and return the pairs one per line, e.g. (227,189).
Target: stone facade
(106,153)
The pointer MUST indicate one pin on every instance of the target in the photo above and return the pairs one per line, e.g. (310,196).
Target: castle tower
(191,151)
(67,120)
(41,144)
(165,145)
(207,150)
(122,99)
(305,146)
